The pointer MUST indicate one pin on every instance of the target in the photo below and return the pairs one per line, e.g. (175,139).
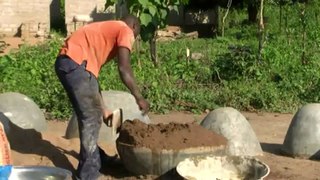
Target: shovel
(115,121)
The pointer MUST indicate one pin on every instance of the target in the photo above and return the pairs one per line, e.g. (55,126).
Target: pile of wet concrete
(172,136)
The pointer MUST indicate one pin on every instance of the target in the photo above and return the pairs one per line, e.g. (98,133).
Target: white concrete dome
(21,111)
(231,124)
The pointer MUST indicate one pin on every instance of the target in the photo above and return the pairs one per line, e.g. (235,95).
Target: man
(78,65)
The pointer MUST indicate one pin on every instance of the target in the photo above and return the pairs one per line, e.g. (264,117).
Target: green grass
(228,74)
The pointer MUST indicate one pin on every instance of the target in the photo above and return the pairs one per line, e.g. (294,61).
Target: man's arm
(127,77)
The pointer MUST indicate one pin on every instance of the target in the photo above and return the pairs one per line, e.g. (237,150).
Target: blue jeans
(83,91)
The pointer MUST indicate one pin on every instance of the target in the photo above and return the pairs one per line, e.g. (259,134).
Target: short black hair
(131,19)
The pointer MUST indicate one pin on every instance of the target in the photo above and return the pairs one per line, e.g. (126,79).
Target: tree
(153,16)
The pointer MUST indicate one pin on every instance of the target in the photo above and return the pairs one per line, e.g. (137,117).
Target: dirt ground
(8,44)
(52,149)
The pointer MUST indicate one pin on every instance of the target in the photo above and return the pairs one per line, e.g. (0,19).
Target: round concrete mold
(112,100)
(144,161)
(303,136)
(231,124)
(222,167)
(22,111)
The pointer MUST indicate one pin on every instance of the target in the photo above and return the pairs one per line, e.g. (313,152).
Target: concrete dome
(21,111)
(112,100)
(303,136)
(231,124)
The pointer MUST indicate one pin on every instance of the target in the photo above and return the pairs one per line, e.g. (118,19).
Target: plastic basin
(39,172)
(222,167)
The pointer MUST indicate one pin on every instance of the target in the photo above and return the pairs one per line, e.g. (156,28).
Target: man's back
(97,42)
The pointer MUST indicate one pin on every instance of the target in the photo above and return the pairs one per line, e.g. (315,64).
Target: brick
(13,25)
(4,25)
(8,29)
(7,12)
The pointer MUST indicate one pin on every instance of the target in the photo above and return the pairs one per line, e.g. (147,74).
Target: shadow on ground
(276,149)
(120,172)
(272,148)
(316,156)
(29,141)
(117,171)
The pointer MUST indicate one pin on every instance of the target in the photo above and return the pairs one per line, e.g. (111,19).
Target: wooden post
(225,16)
(153,50)
(261,31)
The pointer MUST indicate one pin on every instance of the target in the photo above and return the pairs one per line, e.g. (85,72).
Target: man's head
(133,22)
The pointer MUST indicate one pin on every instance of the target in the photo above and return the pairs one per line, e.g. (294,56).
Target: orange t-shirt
(97,43)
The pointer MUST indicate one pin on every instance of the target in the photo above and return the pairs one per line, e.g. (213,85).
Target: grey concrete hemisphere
(303,135)
(22,111)
(113,100)
(230,123)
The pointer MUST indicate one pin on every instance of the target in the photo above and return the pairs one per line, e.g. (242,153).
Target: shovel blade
(117,119)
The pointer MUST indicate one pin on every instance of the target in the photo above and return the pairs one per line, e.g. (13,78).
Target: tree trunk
(261,31)
(153,51)
(225,16)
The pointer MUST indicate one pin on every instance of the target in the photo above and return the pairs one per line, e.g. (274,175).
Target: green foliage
(174,84)
(228,74)
(58,24)
(239,62)
(62,7)
(152,13)
(30,71)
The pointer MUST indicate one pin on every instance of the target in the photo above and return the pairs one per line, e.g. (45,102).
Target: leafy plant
(152,13)
(240,62)
(227,74)
(30,71)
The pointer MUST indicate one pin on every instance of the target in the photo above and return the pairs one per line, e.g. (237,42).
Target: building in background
(34,18)
(25,18)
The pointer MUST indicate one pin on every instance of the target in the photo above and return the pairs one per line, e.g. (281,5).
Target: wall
(24,17)
(28,18)
(93,9)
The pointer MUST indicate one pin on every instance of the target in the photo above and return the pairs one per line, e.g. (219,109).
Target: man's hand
(107,115)
(143,105)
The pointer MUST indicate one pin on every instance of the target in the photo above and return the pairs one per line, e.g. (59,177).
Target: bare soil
(11,44)
(50,148)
